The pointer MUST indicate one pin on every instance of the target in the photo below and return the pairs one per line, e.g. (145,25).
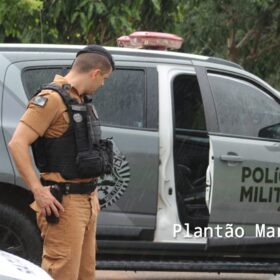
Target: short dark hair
(98,50)
(88,61)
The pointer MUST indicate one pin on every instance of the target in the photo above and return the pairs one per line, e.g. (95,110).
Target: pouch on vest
(96,162)
(106,146)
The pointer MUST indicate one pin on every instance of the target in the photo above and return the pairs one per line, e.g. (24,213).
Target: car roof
(117,51)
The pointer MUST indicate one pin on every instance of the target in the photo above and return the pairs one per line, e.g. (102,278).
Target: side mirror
(272,131)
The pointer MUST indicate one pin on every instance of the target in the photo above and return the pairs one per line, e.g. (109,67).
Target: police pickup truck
(196,177)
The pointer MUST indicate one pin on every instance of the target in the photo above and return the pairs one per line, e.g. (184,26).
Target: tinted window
(188,107)
(35,77)
(243,108)
(121,101)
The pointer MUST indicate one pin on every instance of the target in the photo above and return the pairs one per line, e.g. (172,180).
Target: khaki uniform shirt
(51,120)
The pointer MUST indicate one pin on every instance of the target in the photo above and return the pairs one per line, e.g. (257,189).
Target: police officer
(62,130)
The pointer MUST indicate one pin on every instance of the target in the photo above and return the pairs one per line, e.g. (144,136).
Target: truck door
(244,160)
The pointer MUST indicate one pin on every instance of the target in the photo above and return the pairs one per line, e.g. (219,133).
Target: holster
(57,193)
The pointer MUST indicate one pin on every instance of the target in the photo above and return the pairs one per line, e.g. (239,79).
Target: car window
(33,78)
(120,102)
(243,108)
(188,107)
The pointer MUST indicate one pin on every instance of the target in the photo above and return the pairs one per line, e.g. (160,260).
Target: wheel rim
(11,242)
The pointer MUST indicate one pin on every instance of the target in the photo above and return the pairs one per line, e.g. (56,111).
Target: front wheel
(18,235)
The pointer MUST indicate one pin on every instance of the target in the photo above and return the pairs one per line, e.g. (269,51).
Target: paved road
(124,275)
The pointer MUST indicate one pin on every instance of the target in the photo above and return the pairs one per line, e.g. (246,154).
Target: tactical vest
(79,152)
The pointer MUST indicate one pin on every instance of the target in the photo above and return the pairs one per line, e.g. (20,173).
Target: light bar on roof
(150,40)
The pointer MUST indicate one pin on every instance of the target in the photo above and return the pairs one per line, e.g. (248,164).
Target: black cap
(99,50)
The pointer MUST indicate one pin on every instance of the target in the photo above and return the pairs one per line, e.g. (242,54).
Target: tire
(19,235)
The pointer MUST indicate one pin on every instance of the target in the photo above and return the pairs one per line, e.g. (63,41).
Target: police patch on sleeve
(39,101)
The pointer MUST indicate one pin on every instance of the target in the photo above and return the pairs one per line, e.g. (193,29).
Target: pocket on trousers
(55,244)
(53,263)
(56,253)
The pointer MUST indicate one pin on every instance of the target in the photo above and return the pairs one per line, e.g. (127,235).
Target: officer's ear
(95,72)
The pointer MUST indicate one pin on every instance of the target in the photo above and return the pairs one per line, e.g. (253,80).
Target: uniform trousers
(70,246)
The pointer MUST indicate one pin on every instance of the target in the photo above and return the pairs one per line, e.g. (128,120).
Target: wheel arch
(17,197)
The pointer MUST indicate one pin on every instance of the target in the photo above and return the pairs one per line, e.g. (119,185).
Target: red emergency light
(150,40)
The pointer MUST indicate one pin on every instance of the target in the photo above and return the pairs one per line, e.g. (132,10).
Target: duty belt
(72,188)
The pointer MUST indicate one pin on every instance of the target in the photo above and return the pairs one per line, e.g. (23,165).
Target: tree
(89,21)
(102,21)
(246,32)
(18,18)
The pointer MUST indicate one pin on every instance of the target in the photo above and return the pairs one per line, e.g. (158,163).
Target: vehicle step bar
(190,265)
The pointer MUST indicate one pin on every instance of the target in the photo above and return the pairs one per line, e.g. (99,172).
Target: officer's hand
(47,202)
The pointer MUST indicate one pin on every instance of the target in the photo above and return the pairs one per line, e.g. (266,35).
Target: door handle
(275,147)
(231,158)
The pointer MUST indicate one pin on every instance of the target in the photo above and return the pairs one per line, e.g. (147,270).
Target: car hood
(13,267)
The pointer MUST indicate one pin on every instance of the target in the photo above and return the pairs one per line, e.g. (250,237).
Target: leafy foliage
(17,18)
(246,32)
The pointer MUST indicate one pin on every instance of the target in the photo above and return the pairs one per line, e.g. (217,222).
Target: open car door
(244,165)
